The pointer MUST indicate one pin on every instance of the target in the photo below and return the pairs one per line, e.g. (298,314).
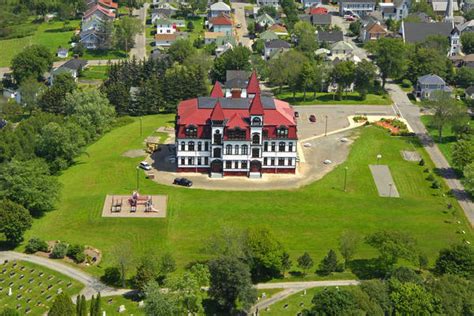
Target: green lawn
(294,303)
(111,304)
(352,98)
(448,140)
(104,54)
(198,29)
(48,34)
(95,73)
(35,295)
(309,219)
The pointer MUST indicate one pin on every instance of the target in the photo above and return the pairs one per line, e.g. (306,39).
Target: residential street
(411,113)
(242,32)
(139,51)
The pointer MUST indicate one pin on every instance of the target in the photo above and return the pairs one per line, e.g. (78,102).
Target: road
(139,51)
(412,114)
(92,285)
(290,288)
(239,16)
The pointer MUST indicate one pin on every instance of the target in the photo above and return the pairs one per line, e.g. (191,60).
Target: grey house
(427,84)
(330,37)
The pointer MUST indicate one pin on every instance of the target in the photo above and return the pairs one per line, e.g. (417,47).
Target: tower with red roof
(253,86)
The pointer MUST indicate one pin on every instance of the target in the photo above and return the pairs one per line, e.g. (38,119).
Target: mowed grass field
(308,219)
(33,287)
(352,98)
(48,34)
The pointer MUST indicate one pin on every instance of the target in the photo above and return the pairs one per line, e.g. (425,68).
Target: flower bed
(396,127)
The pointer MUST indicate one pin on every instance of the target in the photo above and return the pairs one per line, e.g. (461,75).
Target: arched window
(256,121)
(281,146)
(228,149)
(183,146)
(191,146)
(236,149)
(199,146)
(245,150)
(255,138)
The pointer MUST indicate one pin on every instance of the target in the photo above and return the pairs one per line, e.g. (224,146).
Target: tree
(29,184)
(33,61)
(457,260)
(390,57)
(378,291)
(30,90)
(111,276)
(123,256)
(233,59)
(328,264)
(157,303)
(131,4)
(268,9)
(82,307)
(454,294)
(343,74)
(197,5)
(7,311)
(469,178)
(467,42)
(264,254)
(355,27)
(147,271)
(14,221)
(464,76)
(405,274)
(53,99)
(425,60)
(422,6)
(392,245)
(365,73)
(410,299)
(308,78)
(258,46)
(291,12)
(201,273)
(305,263)
(348,243)
(125,30)
(333,301)
(230,284)
(463,153)
(149,98)
(180,50)
(92,306)
(36,244)
(62,305)
(97,306)
(186,293)
(445,110)
(167,264)
(293,62)
(306,40)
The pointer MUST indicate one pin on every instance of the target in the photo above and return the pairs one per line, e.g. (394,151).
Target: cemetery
(30,288)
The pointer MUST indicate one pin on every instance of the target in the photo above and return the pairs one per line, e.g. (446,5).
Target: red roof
(236,121)
(217,91)
(217,113)
(100,8)
(221,20)
(109,3)
(253,86)
(318,10)
(256,107)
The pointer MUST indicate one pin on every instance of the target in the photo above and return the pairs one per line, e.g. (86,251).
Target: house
(467,5)
(162,9)
(311,3)
(396,10)
(329,37)
(373,31)
(73,67)
(168,26)
(224,43)
(466,27)
(356,7)
(221,24)
(211,37)
(219,8)
(98,11)
(278,29)
(469,92)
(108,4)
(275,46)
(236,83)
(317,10)
(236,136)
(265,3)
(92,39)
(342,49)
(321,20)
(427,84)
(165,40)
(463,61)
(268,35)
(264,20)
(62,52)
(440,6)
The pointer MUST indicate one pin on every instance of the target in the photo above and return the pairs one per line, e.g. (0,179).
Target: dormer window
(256,121)
(236,134)
(191,131)
(282,132)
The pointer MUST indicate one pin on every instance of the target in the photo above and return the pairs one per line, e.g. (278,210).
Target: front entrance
(255,166)
(217,166)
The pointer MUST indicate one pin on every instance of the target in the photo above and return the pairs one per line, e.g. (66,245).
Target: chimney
(235,94)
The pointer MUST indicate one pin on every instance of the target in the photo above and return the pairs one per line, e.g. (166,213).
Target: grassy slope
(328,98)
(35,294)
(43,36)
(310,219)
(95,73)
(448,139)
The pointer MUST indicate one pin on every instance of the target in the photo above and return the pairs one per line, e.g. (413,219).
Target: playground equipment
(145,200)
(116,205)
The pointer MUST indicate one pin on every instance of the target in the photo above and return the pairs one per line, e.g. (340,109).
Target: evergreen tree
(328,264)
(78,305)
(83,311)
(97,307)
(92,306)
(62,305)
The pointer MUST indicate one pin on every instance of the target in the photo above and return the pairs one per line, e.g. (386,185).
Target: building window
(281,161)
(281,146)
(290,161)
(206,146)
(290,147)
(265,134)
(282,132)
(217,153)
(256,121)
(190,161)
(236,149)
(243,164)
(265,161)
(228,164)
(255,139)
(273,146)
(236,134)
(191,146)
(199,146)
(206,160)
(183,146)
(272,161)
(255,153)
(199,161)
(245,150)
(236,164)
(218,138)
(183,161)
(228,150)
(265,146)
(191,131)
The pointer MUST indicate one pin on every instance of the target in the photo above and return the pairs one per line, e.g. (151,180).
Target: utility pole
(141,126)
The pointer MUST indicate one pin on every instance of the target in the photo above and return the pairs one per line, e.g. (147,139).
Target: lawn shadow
(366,269)
(447,173)
(296,274)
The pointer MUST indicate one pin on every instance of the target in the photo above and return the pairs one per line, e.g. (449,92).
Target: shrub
(359,118)
(430,177)
(36,244)
(422,162)
(406,83)
(76,253)
(435,185)
(59,250)
(111,276)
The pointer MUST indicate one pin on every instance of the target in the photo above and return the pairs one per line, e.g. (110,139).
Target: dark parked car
(183,182)
(312,118)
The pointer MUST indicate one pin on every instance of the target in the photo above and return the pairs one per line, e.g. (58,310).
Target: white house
(221,24)
(219,8)
(275,46)
(356,7)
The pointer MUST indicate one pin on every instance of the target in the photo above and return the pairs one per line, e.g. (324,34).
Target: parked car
(350,18)
(312,118)
(145,165)
(183,182)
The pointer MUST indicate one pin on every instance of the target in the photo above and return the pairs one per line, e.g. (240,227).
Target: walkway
(411,113)
(92,285)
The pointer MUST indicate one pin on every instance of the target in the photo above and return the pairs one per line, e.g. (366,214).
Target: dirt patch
(411,155)
(134,153)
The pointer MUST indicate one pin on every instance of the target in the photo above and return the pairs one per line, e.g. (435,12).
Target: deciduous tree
(390,57)
(14,221)
(33,61)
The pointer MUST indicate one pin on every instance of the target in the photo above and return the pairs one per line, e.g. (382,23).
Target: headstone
(11,283)
(39,303)
(22,276)
(4,270)
(12,274)
(141,304)
(22,268)
(109,301)
(27,310)
(104,313)
(42,291)
(50,286)
(19,296)
(40,283)
(29,290)
(48,297)
(28,300)
(50,277)
(121,309)
(5,262)
(14,264)
(18,306)
(32,270)
(21,287)
(285,306)
(301,304)
(69,284)
(10,293)
(31,280)
(59,291)
(41,274)
(2,280)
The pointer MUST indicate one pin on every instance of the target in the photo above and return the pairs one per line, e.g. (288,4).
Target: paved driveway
(242,32)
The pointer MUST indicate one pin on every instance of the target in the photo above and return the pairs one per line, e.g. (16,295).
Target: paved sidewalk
(384,181)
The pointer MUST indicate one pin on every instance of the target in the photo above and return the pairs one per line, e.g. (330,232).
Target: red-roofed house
(317,10)
(241,136)
(222,24)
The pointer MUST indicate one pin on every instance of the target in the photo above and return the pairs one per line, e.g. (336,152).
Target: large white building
(240,136)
